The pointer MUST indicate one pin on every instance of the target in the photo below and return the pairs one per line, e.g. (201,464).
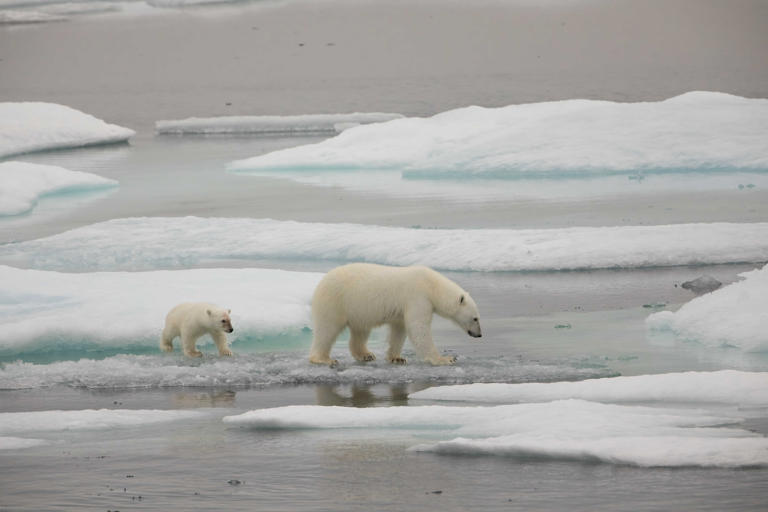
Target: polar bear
(363,295)
(193,319)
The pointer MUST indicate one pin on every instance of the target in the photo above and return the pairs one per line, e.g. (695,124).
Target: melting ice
(35,126)
(141,243)
(735,315)
(330,124)
(22,184)
(564,429)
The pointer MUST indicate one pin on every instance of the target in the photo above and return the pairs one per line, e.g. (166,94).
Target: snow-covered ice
(52,422)
(142,243)
(273,125)
(724,386)
(36,126)
(42,310)
(566,430)
(696,131)
(735,315)
(23,184)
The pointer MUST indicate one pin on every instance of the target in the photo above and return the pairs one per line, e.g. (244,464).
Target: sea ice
(565,430)
(271,125)
(16,443)
(22,184)
(35,126)
(735,315)
(88,419)
(275,365)
(42,310)
(724,386)
(703,284)
(696,131)
(142,243)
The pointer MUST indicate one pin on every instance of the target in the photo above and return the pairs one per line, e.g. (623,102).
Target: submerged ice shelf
(693,132)
(735,315)
(48,311)
(564,430)
(141,244)
(22,184)
(272,125)
(37,126)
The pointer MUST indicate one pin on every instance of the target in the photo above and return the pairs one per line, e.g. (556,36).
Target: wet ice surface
(540,327)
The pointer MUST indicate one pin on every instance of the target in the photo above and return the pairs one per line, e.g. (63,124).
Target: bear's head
(219,319)
(467,317)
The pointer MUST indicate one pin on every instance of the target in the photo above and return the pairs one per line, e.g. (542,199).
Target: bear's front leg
(221,343)
(418,325)
(395,340)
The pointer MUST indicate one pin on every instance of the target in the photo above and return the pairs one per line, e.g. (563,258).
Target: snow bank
(696,131)
(735,315)
(47,311)
(142,243)
(271,125)
(569,430)
(22,184)
(725,386)
(36,126)
(274,366)
(17,443)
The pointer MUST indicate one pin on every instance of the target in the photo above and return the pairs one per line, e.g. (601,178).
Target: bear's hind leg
(358,340)
(396,340)
(188,345)
(166,340)
(323,339)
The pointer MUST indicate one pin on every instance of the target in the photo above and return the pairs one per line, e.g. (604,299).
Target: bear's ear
(229,311)
(208,311)
(461,300)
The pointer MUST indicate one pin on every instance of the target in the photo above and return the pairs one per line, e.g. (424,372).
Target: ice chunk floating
(36,126)
(272,125)
(696,131)
(141,243)
(49,311)
(725,386)
(565,430)
(733,316)
(22,184)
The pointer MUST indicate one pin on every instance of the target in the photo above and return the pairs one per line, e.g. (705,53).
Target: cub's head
(219,319)
(467,316)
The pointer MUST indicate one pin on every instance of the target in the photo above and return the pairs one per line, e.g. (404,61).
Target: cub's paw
(225,352)
(367,357)
(196,353)
(397,360)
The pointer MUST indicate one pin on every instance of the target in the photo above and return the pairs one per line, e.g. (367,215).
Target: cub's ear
(208,311)
(461,300)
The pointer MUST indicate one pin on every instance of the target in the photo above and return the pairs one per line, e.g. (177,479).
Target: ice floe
(565,430)
(49,311)
(272,125)
(17,443)
(724,386)
(147,243)
(36,126)
(735,315)
(22,184)
(696,131)
(274,366)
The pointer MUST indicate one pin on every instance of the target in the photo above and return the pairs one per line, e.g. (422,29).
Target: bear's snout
(477,334)
(230,330)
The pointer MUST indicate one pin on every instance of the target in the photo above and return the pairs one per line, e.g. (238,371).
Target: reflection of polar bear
(362,296)
(193,319)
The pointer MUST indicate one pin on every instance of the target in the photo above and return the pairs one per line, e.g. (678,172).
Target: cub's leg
(166,340)
(221,343)
(188,345)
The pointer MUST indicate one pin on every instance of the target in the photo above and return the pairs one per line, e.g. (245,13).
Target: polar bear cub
(362,296)
(193,319)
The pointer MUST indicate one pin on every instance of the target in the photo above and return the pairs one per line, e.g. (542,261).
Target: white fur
(362,296)
(193,319)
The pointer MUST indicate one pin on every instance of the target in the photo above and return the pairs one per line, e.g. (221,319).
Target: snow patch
(272,125)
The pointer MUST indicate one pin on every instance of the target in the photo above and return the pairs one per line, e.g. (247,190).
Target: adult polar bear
(362,296)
